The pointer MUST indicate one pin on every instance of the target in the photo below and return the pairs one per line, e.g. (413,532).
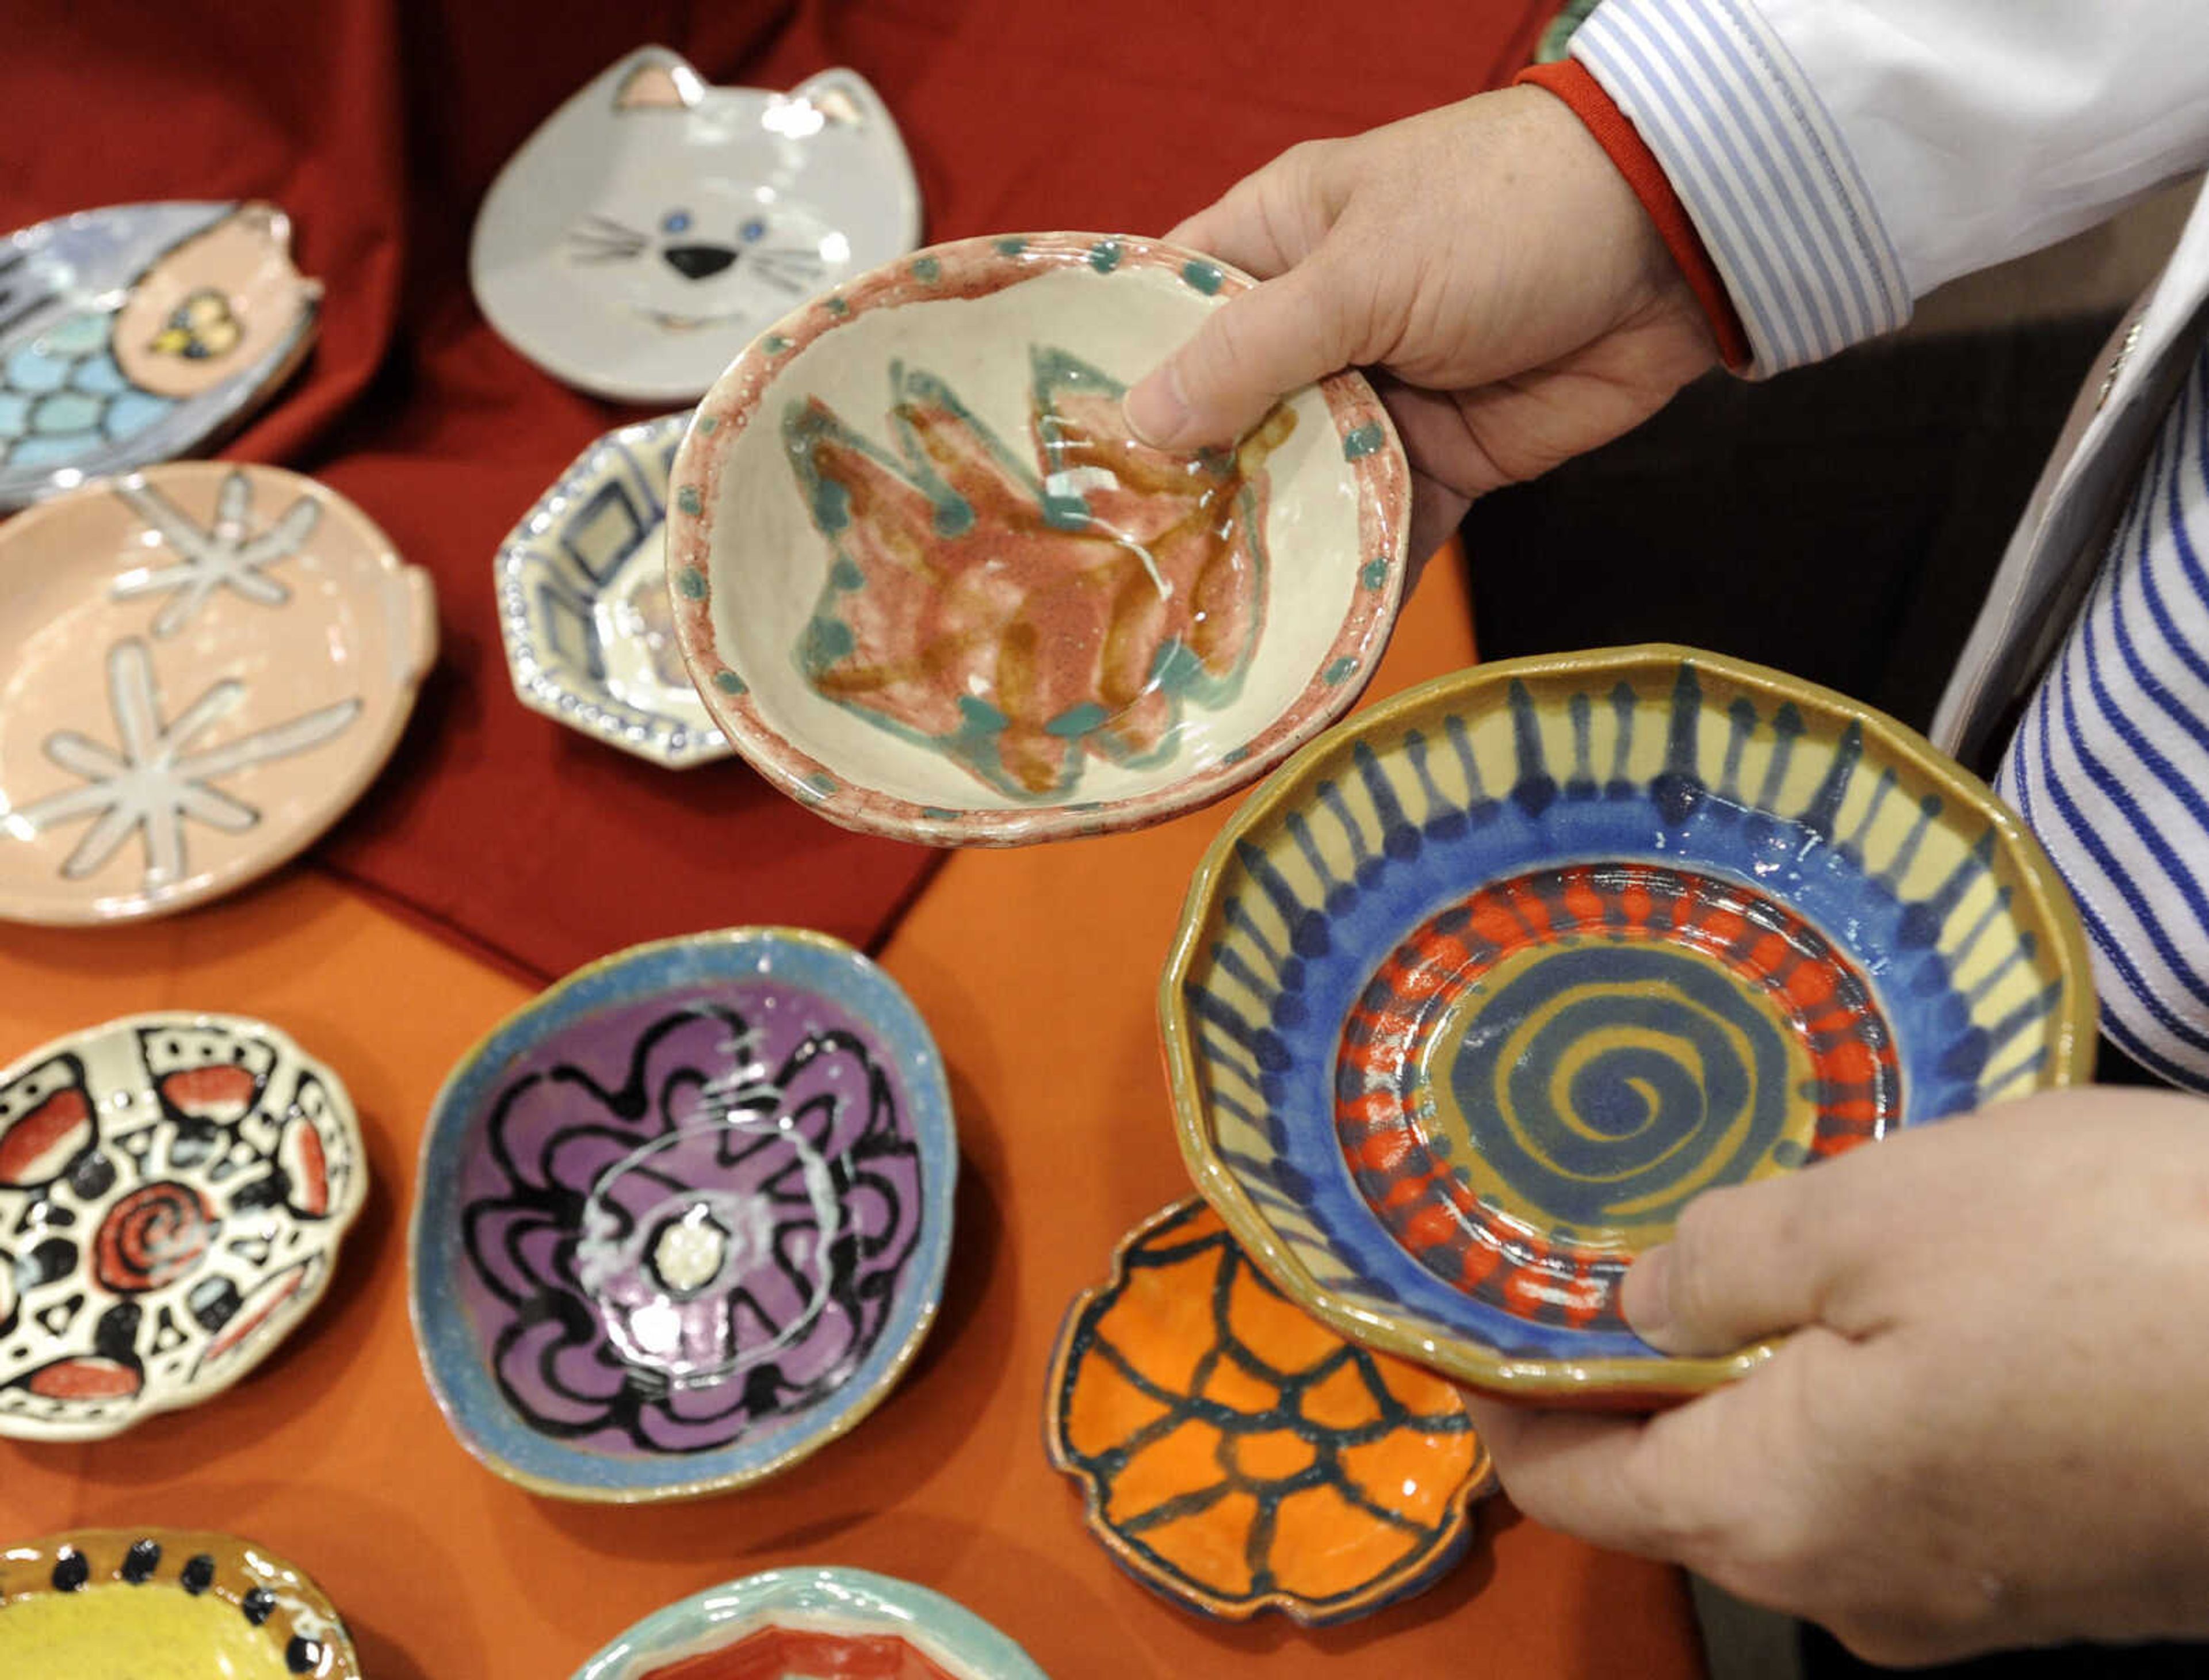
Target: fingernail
(1155,411)
(1646,1297)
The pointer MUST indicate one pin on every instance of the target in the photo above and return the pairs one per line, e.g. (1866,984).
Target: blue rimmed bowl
(683,1218)
(824,1621)
(1480,989)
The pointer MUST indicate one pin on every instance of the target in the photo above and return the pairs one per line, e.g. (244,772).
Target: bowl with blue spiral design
(1475,994)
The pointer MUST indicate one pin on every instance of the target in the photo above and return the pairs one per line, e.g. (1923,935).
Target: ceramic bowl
(197,1602)
(684,1218)
(205,666)
(583,604)
(141,333)
(173,1190)
(789,1624)
(653,224)
(931,586)
(1474,995)
(1237,1456)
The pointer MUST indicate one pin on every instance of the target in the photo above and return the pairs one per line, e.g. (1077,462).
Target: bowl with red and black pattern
(173,1191)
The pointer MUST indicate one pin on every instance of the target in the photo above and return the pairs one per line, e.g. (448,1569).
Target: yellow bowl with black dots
(164,1604)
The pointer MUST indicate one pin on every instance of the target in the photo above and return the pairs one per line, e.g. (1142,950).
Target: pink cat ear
(658,87)
(840,96)
(838,106)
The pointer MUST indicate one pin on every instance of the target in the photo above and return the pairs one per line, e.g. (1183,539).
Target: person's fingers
(1270,220)
(1666,1487)
(1251,352)
(1569,1471)
(1436,511)
(1744,1262)
(1432,433)
(1727,1483)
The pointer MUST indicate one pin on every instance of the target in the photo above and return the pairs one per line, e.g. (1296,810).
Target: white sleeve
(1842,157)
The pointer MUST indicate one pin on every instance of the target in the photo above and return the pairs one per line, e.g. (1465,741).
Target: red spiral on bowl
(152,1237)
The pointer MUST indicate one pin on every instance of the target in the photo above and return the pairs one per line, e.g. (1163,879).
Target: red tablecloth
(379,125)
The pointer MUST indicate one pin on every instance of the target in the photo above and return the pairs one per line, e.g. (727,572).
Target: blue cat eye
(752,230)
(676,221)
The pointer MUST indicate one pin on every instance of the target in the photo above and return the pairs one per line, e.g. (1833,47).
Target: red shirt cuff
(1616,135)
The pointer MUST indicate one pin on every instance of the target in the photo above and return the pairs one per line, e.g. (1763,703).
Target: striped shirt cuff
(1761,166)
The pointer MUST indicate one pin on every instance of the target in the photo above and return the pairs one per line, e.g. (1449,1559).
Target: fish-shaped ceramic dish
(141,333)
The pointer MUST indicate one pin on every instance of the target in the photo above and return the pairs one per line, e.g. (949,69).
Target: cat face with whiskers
(656,224)
(708,260)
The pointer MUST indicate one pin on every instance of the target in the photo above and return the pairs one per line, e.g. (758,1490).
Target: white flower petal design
(224,555)
(154,782)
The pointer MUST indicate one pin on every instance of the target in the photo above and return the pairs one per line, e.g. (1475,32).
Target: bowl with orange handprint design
(929,583)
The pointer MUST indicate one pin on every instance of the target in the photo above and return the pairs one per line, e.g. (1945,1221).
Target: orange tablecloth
(1036,971)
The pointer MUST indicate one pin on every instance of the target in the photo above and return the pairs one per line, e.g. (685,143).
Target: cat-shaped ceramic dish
(654,223)
(141,333)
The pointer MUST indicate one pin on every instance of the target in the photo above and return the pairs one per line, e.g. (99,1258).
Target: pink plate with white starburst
(202,665)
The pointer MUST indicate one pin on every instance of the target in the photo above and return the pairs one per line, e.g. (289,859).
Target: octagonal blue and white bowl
(583,606)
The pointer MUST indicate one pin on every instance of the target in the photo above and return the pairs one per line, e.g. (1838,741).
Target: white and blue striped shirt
(2111,765)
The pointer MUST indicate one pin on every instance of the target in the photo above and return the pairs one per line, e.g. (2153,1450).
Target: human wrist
(1684,271)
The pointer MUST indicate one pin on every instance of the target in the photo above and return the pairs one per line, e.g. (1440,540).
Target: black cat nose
(697,262)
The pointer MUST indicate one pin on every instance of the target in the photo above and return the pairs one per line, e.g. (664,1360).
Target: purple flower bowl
(684,1218)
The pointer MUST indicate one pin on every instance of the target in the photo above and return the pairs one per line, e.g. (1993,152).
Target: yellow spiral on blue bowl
(1599,1086)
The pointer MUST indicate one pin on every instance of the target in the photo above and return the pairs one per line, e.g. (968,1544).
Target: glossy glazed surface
(653,223)
(813,1624)
(953,1472)
(930,584)
(785,1654)
(159,1603)
(173,1190)
(1236,1454)
(140,333)
(583,603)
(203,666)
(685,1218)
(1472,997)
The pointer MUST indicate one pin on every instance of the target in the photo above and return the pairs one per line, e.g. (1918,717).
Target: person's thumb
(1744,1262)
(1254,349)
